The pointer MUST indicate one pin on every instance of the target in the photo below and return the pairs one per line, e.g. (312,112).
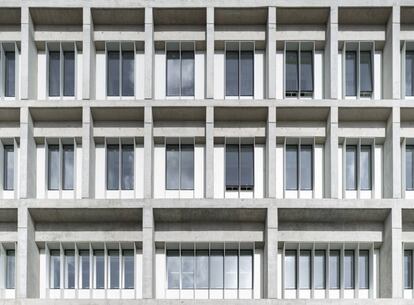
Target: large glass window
(290,269)
(187,269)
(299,70)
(358,70)
(299,167)
(8,167)
(231,269)
(365,73)
(10,74)
(358,167)
(54,269)
(408,269)
(54,73)
(363,265)
(99,258)
(129,267)
(53,167)
(84,269)
(68,73)
(69,269)
(60,174)
(10,269)
(173,269)
(409,73)
(319,269)
(351,167)
(68,167)
(349,269)
(239,69)
(334,269)
(246,269)
(305,269)
(180,166)
(409,167)
(239,167)
(61,69)
(351,73)
(216,269)
(120,167)
(365,167)
(120,69)
(202,260)
(113,256)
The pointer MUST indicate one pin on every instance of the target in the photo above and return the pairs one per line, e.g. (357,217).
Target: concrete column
(271,54)
(149,53)
(148,151)
(148,250)
(28,57)
(89,56)
(331,55)
(210,53)
(392,156)
(331,154)
(392,56)
(27,271)
(88,155)
(27,155)
(391,270)
(209,166)
(271,249)
(271,153)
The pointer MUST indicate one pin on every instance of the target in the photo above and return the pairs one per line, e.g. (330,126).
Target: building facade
(231,151)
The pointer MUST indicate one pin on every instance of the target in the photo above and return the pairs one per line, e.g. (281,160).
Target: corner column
(331,154)
(271,53)
(27,156)
(89,56)
(27,271)
(28,57)
(88,156)
(209,166)
(331,55)
(210,53)
(148,250)
(271,249)
(271,153)
(148,151)
(149,53)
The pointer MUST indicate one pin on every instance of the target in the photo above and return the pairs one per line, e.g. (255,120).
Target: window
(180,69)
(61,70)
(54,269)
(334,269)
(358,156)
(349,269)
(231,269)
(216,269)
(8,167)
(60,174)
(408,269)
(129,267)
(99,269)
(84,269)
(202,269)
(10,74)
(180,166)
(120,69)
(299,69)
(363,269)
(239,167)
(305,269)
(365,74)
(246,269)
(409,73)
(358,71)
(290,269)
(187,269)
(120,167)
(113,256)
(173,269)
(299,167)
(351,73)
(239,69)
(69,269)
(10,269)
(319,269)
(409,167)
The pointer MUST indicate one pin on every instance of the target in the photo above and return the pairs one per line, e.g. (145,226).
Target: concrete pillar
(271,249)
(391,270)
(271,153)
(210,53)
(89,56)
(331,55)
(148,250)
(271,54)
(331,154)
(209,166)
(27,271)
(392,56)
(392,156)
(148,151)
(27,155)
(149,53)
(28,57)
(88,155)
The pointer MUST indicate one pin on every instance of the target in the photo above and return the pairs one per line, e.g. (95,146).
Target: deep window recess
(408,269)
(8,167)
(60,160)
(10,269)
(239,69)
(180,68)
(120,166)
(409,73)
(409,167)
(180,166)
(299,69)
(120,69)
(61,69)
(239,167)
(9,74)
(358,167)
(299,167)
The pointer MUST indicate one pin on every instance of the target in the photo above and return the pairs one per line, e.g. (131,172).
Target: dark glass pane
(187,73)
(69,73)
(365,71)
(53,167)
(408,269)
(54,269)
(54,73)
(306,71)
(291,167)
(409,172)
(292,71)
(363,266)
(8,167)
(409,73)
(232,73)
(334,269)
(10,74)
(246,73)
(365,167)
(246,166)
(349,269)
(127,73)
(319,269)
(350,73)
(187,167)
(114,269)
(173,166)
(10,269)
(68,167)
(113,73)
(129,267)
(70,269)
(112,167)
(232,166)
(127,178)
(351,167)
(306,167)
(85,265)
(99,269)
(173,73)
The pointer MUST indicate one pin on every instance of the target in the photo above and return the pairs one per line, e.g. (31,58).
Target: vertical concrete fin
(271,153)
(210,53)
(331,55)
(331,155)
(148,251)
(27,155)
(88,155)
(149,53)
(209,168)
(148,151)
(271,53)
(271,249)
(89,57)
(28,82)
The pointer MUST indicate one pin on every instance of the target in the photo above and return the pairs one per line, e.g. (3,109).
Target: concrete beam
(27,276)
(271,53)
(88,155)
(148,151)
(331,155)
(271,153)
(271,249)
(89,56)
(149,53)
(27,160)
(209,167)
(331,55)
(210,53)
(148,250)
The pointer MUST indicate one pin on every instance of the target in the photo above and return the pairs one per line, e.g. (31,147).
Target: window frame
(121,144)
(298,148)
(9,148)
(411,149)
(10,275)
(4,48)
(182,142)
(240,143)
(61,144)
(359,166)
